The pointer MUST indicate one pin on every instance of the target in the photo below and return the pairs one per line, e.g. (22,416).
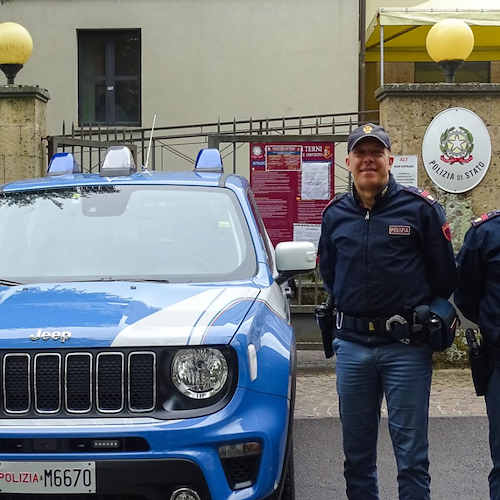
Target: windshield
(179,234)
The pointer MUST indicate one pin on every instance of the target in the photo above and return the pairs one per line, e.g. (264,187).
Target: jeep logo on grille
(61,336)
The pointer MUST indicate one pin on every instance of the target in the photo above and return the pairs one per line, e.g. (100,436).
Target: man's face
(370,162)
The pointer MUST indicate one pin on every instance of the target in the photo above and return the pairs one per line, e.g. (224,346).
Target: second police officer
(385,254)
(478,298)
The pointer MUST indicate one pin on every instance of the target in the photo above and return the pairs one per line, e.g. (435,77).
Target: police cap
(368,130)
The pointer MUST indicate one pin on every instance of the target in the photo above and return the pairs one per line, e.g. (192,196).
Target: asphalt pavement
(452,392)
(458,453)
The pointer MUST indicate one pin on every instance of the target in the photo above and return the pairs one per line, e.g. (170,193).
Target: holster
(325,317)
(480,363)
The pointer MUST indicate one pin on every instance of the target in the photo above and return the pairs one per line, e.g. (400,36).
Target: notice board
(292,184)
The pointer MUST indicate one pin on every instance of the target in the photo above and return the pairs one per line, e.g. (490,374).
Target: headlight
(199,373)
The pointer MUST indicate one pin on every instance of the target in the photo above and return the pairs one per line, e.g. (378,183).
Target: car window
(181,234)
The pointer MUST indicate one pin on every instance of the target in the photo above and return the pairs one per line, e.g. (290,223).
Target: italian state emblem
(456,145)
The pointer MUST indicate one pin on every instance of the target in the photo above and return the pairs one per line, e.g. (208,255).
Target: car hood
(121,314)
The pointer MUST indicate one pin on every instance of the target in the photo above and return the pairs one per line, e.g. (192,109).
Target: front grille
(110,382)
(78,388)
(16,376)
(51,383)
(47,373)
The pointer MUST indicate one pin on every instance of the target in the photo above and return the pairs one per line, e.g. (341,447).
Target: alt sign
(456,150)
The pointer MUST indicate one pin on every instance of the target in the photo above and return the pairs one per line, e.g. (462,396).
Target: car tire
(288,492)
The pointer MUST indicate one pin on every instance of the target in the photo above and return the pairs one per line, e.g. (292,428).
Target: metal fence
(183,142)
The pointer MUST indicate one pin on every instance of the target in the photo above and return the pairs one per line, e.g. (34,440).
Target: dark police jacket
(387,260)
(478,294)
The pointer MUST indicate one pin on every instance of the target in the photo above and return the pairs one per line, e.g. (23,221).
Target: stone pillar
(22,128)
(406,110)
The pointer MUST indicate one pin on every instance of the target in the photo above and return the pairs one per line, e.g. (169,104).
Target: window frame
(110,79)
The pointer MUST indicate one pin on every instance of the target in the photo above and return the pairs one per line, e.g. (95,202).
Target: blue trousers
(492,398)
(364,375)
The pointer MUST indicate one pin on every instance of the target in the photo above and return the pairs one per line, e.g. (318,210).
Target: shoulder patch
(422,193)
(339,197)
(485,217)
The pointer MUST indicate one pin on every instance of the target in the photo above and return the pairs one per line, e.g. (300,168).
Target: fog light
(184,494)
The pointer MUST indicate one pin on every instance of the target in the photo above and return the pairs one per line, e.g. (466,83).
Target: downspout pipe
(362,61)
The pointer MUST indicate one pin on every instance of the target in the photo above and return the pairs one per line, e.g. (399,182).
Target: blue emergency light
(63,164)
(118,161)
(209,160)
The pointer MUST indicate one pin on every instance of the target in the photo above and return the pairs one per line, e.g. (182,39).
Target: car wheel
(288,492)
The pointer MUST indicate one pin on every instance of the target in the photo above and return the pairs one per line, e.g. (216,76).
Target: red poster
(292,184)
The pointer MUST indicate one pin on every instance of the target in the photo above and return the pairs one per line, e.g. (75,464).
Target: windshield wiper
(135,280)
(147,281)
(9,283)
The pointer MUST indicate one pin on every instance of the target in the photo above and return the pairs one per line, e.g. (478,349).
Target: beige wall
(204,59)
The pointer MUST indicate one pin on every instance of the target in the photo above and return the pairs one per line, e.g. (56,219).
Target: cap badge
(367,129)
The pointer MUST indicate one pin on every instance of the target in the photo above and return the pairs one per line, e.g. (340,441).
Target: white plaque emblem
(456,150)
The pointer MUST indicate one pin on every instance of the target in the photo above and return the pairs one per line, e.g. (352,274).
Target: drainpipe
(362,60)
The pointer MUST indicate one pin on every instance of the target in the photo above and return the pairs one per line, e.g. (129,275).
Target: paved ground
(452,393)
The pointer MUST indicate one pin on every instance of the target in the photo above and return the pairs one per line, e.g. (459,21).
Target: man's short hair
(368,130)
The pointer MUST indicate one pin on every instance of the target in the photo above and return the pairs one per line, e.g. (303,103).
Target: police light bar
(62,164)
(117,162)
(209,160)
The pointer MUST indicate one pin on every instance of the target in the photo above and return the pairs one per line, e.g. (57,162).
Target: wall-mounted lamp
(449,43)
(16,46)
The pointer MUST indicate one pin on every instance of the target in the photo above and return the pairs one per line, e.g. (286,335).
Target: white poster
(315,181)
(404,169)
(307,232)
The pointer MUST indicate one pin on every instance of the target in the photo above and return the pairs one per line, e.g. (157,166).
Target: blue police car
(145,341)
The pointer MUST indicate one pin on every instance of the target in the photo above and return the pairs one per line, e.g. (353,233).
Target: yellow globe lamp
(16,46)
(449,43)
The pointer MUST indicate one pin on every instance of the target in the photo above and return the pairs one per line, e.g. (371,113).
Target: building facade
(120,62)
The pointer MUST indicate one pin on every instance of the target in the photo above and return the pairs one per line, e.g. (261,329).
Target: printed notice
(404,170)
(292,184)
(283,157)
(307,232)
(315,181)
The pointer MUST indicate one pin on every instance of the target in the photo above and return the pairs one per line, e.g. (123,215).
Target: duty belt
(398,327)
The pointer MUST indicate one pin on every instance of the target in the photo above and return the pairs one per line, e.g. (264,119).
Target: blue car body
(87,360)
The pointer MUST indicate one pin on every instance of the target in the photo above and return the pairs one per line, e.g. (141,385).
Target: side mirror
(294,257)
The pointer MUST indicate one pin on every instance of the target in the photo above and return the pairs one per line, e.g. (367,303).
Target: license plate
(47,477)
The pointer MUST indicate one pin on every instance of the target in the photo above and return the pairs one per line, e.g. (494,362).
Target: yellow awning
(405,29)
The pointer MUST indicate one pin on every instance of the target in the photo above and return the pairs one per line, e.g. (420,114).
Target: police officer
(478,297)
(384,250)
